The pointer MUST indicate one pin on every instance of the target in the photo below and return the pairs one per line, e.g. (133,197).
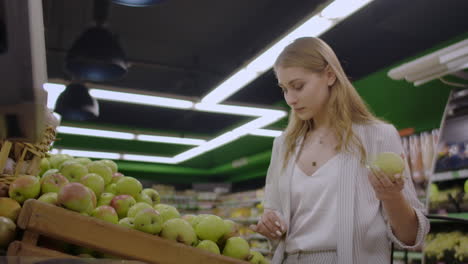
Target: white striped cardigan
(364,234)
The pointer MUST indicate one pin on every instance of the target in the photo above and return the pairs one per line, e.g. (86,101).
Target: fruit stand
(39,219)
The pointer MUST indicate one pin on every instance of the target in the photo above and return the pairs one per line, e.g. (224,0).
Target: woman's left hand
(386,187)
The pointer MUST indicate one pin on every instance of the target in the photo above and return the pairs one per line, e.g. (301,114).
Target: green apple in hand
(149,221)
(25,187)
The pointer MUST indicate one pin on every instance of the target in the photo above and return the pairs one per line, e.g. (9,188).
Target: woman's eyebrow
(289,83)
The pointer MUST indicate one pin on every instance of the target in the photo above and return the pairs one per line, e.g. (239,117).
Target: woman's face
(305,92)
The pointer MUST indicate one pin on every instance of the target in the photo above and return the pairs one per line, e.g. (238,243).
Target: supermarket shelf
(240,203)
(411,255)
(251,220)
(450,175)
(463,217)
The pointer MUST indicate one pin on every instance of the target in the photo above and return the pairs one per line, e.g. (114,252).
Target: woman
(322,202)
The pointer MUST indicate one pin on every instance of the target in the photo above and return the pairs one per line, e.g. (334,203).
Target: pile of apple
(97,189)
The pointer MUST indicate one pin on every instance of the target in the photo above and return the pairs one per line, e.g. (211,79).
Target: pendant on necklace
(314,163)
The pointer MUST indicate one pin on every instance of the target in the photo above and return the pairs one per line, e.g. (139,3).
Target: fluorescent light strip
(315,26)
(266,132)
(239,110)
(173,140)
(91,154)
(95,132)
(148,158)
(140,99)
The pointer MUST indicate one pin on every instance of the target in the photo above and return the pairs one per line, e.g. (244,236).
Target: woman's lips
(299,109)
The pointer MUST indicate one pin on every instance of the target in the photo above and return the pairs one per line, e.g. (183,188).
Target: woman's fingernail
(278,232)
(277,224)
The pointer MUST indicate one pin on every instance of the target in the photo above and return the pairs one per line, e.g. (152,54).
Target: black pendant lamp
(137,3)
(75,103)
(97,54)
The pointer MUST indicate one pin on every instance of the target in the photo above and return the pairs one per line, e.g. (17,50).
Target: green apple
(211,228)
(25,187)
(105,199)
(57,160)
(189,218)
(111,188)
(44,166)
(106,213)
(73,170)
(7,231)
(389,162)
(94,182)
(197,219)
(83,160)
(179,230)
(132,212)
(116,176)
(77,197)
(143,198)
(122,204)
(53,182)
(51,171)
(149,221)
(102,169)
(167,211)
(209,246)
(153,195)
(111,164)
(256,257)
(127,222)
(50,198)
(128,185)
(466,186)
(237,247)
(9,208)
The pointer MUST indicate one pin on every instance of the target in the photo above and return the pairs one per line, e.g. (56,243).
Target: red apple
(25,187)
(77,197)
(53,182)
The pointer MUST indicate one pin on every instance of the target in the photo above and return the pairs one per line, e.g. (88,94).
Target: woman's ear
(331,76)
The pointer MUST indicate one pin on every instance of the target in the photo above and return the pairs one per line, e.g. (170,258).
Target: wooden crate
(41,219)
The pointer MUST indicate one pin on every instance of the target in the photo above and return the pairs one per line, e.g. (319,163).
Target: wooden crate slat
(21,249)
(71,227)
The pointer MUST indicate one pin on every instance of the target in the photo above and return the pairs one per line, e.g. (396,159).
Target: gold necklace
(320,141)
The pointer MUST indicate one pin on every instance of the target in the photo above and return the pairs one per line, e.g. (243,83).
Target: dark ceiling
(185,48)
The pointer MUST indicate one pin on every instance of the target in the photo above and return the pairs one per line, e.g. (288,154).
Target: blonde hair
(345,107)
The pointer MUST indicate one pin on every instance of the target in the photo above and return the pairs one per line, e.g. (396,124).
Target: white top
(314,212)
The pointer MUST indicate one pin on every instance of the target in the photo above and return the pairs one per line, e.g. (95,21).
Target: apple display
(25,187)
(105,199)
(237,247)
(116,176)
(44,166)
(256,257)
(51,171)
(83,160)
(137,208)
(167,211)
(153,195)
(57,160)
(9,208)
(94,182)
(7,231)
(149,221)
(143,198)
(122,204)
(53,182)
(209,246)
(110,188)
(77,197)
(111,164)
(211,227)
(102,169)
(179,230)
(128,185)
(106,213)
(127,222)
(50,198)
(73,170)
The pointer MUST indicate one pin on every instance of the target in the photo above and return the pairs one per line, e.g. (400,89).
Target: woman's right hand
(270,225)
